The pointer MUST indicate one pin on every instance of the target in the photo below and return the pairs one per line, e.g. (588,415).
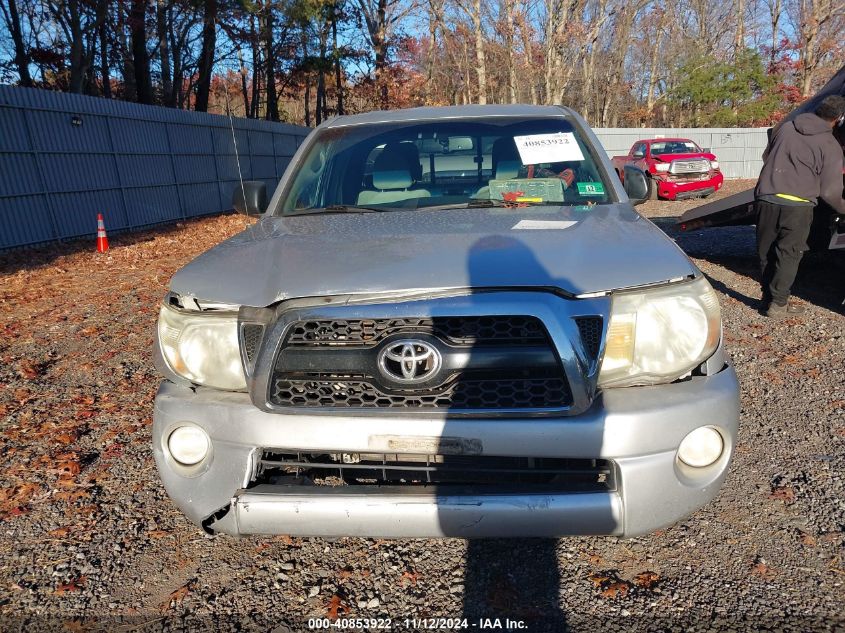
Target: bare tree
(206,61)
(813,21)
(381,17)
(12,18)
(141,62)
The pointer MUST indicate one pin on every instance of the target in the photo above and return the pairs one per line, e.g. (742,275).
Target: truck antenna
(237,154)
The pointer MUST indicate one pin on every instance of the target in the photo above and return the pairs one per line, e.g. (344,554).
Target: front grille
(454,330)
(463,392)
(286,466)
(689,166)
(489,363)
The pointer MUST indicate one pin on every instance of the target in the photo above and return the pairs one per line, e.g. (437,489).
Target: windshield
(487,162)
(675,147)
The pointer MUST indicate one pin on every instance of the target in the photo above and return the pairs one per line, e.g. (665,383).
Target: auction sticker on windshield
(548,148)
(590,188)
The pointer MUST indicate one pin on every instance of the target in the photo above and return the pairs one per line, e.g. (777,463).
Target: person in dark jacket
(802,164)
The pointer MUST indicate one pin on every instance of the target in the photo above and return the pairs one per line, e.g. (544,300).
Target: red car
(677,168)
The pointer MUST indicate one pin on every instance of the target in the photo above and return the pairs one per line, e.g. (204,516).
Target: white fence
(738,150)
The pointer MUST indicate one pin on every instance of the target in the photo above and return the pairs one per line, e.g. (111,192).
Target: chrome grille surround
(558,314)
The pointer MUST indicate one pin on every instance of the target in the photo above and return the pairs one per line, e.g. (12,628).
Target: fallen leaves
(783,493)
(14,499)
(176,597)
(157,534)
(29,370)
(609,585)
(72,586)
(61,532)
(646,580)
(762,570)
(616,589)
(336,608)
(68,468)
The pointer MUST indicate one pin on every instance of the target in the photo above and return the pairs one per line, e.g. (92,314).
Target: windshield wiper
(337,208)
(487,204)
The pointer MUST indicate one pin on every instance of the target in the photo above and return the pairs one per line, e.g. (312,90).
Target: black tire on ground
(652,189)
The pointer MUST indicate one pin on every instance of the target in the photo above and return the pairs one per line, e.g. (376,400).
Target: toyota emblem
(409,361)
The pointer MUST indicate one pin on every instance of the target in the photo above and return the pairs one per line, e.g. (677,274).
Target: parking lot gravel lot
(89,539)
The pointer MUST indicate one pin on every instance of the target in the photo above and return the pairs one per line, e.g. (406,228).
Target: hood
(668,158)
(578,250)
(810,124)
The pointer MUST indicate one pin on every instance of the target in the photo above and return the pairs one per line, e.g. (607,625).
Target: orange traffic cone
(102,238)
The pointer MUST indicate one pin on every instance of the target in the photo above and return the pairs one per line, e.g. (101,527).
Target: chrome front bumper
(638,428)
(334,512)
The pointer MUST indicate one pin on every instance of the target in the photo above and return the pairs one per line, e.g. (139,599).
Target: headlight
(714,164)
(656,336)
(202,348)
(662,166)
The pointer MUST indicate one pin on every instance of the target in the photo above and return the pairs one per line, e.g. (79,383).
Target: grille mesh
(689,166)
(251,334)
(590,329)
(464,393)
(456,330)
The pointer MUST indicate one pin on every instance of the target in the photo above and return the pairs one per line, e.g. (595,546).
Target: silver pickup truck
(445,322)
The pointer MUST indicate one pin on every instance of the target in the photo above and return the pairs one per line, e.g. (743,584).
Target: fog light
(701,447)
(188,445)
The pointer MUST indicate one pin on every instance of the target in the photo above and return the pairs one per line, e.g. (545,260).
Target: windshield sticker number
(590,188)
(548,148)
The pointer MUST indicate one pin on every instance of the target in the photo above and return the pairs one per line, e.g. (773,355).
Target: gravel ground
(89,540)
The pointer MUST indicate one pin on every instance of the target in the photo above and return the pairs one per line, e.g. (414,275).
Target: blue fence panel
(76,213)
(63,173)
(13,132)
(16,174)
(64,158)
(25,220)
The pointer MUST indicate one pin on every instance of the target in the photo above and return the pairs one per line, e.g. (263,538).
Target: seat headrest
(507,169)
(392,179)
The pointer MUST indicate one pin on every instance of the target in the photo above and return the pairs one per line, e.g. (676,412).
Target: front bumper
(638,428)
(679,190)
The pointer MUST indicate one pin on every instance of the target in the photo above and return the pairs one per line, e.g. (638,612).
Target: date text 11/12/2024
(415,624)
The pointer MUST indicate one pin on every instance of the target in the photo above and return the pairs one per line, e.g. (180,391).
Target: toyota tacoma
(445,322)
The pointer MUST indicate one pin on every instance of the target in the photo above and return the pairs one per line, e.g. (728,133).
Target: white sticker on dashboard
(548,148)
(543,224)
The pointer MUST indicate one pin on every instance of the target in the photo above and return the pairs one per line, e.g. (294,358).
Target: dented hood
(577,250)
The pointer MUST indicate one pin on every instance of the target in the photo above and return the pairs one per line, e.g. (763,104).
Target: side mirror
(636,184)
(251,199)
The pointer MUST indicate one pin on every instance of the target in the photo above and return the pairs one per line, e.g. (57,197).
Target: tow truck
(828,229)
